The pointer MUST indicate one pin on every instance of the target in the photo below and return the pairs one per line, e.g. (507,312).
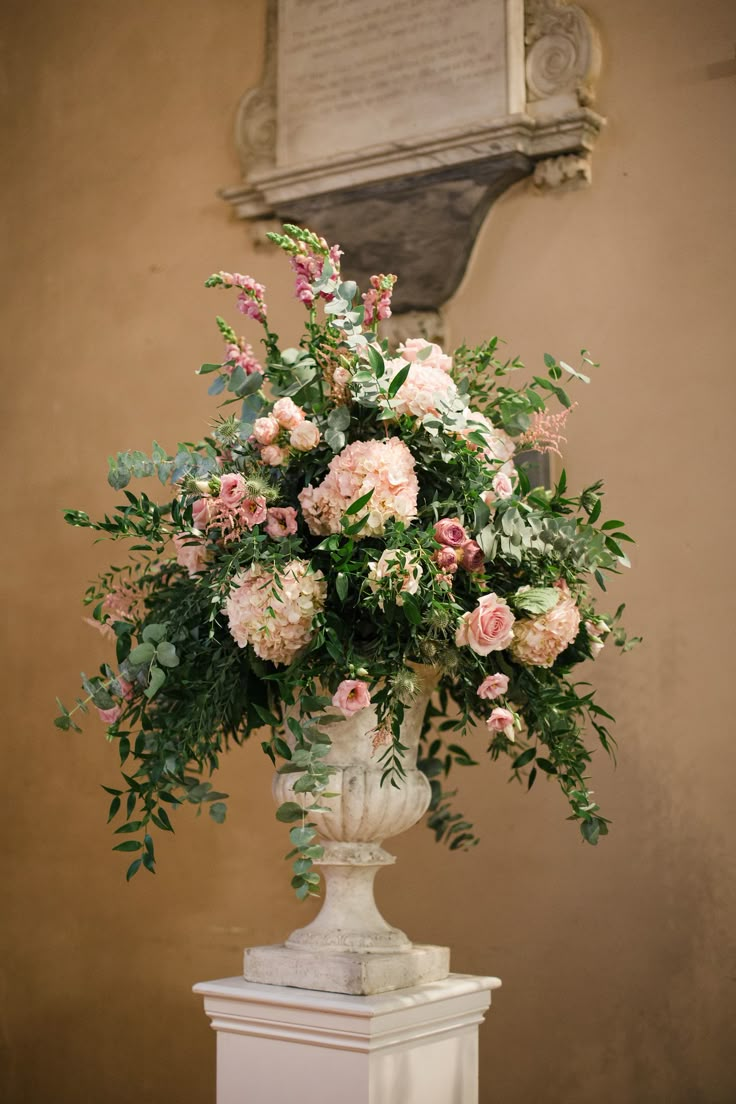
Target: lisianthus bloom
(232,489)
(203,511)
(277,623)
(539,640)
(304,437)
(414,350)
(253,511)
(287,413)
(397,567)
(449,531)
(596,631)
(281,521)
(493,686)
(351,696)
(502,720)
(489,628)
(191,553)
(111,715)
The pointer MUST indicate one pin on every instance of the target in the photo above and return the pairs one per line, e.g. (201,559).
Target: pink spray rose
(493,686)
(253,511)
(304,436)
(446,559)
(502,720)
(110,716)
(489,628)
(471,556)
(232,489)
(449,531)
(281,521)
(351,696)
(287,413)
(273,456)
(266,430)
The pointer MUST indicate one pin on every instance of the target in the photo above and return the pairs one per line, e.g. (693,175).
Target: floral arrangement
(360,511)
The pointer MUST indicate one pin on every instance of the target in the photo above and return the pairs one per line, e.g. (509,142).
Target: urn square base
(353,972)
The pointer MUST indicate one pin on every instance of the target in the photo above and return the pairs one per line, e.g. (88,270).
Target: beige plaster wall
(618,963)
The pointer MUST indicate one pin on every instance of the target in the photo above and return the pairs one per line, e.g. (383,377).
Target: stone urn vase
(349,947)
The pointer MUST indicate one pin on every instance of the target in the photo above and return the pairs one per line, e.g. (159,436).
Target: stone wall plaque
(392,126)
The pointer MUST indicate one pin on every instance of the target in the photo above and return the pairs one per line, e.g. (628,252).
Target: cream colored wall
(618,963)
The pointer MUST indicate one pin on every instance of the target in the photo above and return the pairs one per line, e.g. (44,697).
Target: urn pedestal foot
(278,1044)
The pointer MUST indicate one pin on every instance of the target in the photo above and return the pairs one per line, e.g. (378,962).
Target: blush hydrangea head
(424,390)
(276,623)
(384,467)
(539,640)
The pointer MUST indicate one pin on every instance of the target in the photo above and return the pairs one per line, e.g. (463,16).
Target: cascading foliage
(353,512)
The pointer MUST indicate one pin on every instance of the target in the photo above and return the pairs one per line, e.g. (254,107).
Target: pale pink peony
(493,686)
(287,413)
(111,715)
(502,720)
(266,430)
(351,696)
(424,390)
(191,553)
(449,531)
(539,640)
(395,567)
(489,628)
(281,521)
(470,556)
(411,349)
(385,467)
(273,456)
(277,623)
(253,511)
(304,437)
(232,490)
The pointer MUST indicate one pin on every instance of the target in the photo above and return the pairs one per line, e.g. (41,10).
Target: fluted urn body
(349,947)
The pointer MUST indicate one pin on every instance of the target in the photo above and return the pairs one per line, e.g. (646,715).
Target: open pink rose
(111,715)
(232,489)
(304,436)
(273,456)
(266,430)
(489,628)
(471,556)
(287,413)
(449,531)
(351,696)
(281,521)
(502,720)
(493,686)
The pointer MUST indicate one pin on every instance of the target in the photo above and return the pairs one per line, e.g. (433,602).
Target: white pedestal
(277,1044)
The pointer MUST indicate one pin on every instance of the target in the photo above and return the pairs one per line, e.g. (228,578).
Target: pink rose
(471,556)
(254,511)
(493,686)
(203,511)
(110,716)
(273,456)
(232,489)
(191,553)
(449,531)
(266,430)
(502,485)
(489,628)
(351,696)
(281,521)
(502,720)
(304,436)
(446,559)
(287,413)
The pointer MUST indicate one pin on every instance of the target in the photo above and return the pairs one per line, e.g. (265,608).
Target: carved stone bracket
(414,202)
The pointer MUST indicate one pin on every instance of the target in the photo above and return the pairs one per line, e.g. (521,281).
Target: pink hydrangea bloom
(281,521)
(384,467)
(488,628)
(493,686)
(539,640)
(351,696)
(424,390)
(276,623)
(287,413)
(435,358)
